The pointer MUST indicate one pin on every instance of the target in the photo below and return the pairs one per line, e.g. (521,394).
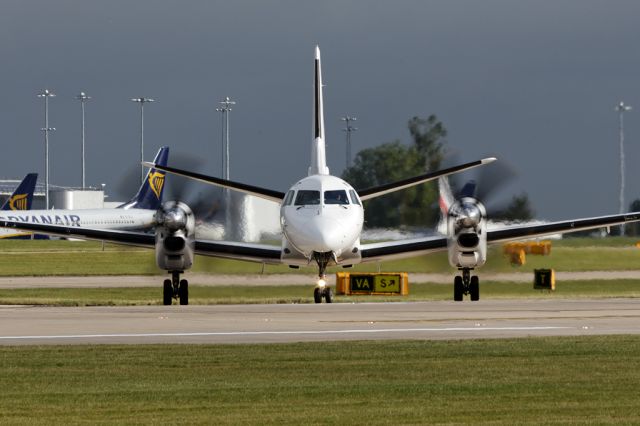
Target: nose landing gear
(322,291)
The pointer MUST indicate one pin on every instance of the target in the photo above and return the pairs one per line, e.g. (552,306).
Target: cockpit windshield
(307,198)
(336,197)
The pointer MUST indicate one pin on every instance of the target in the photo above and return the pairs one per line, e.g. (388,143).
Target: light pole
(622,108)
(142,101)
(46,94)
(224,109)
(348,130)
(82,97)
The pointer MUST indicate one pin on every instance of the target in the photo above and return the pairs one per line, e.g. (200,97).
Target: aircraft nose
(331,235)
(320,234)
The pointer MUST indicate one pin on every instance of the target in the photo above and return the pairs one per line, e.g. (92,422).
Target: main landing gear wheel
(175,288)
(474,289)
(167,293)
(183,292)
(458,289)
(466,284)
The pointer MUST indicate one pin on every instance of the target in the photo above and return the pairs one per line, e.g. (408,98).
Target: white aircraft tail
(318,156)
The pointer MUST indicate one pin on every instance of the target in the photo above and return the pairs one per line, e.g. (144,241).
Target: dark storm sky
(534,83)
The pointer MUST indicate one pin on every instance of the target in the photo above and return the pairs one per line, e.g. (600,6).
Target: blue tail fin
(149,195)
(22,197)
(469,190)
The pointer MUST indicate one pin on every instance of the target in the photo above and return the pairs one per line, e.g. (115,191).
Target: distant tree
(394,161)
(429,140)
(518,210)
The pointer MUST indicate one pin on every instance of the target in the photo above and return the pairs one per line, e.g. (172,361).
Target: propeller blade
(492,178)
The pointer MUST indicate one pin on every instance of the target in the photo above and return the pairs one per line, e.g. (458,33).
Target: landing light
(322,283)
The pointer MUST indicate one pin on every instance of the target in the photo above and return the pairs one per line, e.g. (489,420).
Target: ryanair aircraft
(137,214)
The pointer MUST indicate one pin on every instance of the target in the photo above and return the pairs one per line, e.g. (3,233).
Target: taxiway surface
(296,323)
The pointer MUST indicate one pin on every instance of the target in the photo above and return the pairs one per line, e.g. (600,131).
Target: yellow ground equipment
(382,283)
(517,252)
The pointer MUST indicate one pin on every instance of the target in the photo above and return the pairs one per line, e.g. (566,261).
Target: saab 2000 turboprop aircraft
(137,214)
(321,218)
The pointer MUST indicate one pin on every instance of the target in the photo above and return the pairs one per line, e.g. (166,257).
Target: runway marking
(276,333)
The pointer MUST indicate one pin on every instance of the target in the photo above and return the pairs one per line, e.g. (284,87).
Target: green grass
(24,258)
(206,295)
(516,381)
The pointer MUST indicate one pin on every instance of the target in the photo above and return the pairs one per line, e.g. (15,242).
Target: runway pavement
(98,281)
(20,325)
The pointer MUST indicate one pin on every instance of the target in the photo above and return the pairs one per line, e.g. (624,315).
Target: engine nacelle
(467,231)
(175,237)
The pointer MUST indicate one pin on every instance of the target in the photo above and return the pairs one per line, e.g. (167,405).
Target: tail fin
(468,190)
(22,197)
(318,156)
(149,195)
(446,199)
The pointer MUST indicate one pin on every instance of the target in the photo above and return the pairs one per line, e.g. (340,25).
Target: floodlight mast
(142,101)
(83,97)
(46,94)
(347,119)
(621,108)
(225,109)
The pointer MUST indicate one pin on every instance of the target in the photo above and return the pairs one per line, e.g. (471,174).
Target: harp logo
(18,202)
(156,182)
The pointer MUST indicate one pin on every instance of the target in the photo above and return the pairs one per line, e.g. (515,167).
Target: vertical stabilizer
(318,157)
(22,197)
(149,195)
(446,199)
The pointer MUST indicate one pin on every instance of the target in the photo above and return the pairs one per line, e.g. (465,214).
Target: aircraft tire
(317,295)
(328,295)
(167,293)
(183,292)
(474,288)
(457,289)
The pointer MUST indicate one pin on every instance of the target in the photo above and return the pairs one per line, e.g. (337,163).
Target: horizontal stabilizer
(267,194)
(377,191)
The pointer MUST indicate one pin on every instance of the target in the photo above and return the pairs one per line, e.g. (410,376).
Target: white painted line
(276,333)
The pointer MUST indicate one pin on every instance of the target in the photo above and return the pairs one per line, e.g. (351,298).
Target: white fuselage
(321,214)
(122,219)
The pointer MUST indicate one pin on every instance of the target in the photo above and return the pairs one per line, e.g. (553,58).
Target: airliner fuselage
(322,214)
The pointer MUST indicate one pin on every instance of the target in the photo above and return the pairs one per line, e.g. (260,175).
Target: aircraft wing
(377,191)
(139,239)
(400,249)
(225,249)
(265,193)
(414,247)
(262,253)
(518,232)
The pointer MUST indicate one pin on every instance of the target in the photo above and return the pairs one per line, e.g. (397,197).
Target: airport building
(60,197)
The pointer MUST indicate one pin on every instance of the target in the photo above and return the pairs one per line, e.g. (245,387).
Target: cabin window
(354,197)
(336,197)
(288,198)
(306,198)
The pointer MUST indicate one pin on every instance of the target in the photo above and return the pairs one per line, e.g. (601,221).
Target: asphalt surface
(20,325)
(279,279)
